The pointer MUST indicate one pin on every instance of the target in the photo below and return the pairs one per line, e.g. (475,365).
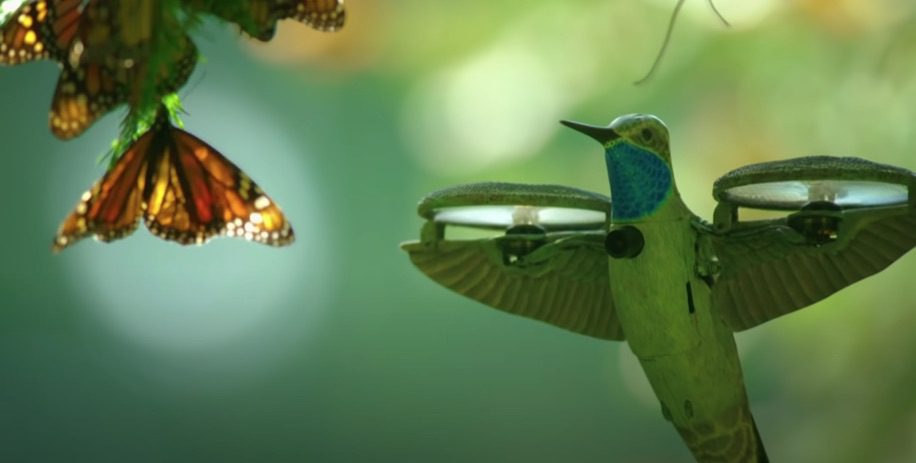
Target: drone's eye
(646,135)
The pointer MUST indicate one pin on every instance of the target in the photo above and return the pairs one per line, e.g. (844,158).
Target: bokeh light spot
(500,106)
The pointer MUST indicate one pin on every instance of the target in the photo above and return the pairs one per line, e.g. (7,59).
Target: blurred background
(336,349)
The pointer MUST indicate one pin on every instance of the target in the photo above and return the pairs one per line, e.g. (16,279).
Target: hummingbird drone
(644,269)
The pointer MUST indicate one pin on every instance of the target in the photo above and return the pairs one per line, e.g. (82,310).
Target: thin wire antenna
(185,92)
(188,89)
(716,11)
(661,52)
(667,40)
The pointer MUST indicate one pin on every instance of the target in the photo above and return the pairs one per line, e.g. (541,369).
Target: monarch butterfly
(123,30)
(90,85)
(184,189)
(258,18)
(89,90)
(39,29)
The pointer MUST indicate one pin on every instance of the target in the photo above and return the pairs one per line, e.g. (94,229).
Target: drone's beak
(604,135)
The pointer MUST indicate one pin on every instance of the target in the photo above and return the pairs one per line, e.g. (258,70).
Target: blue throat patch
(640,181)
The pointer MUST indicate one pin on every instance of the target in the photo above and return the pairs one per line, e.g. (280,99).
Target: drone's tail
(732,439)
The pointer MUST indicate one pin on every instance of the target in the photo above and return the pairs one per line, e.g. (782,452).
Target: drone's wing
(770,268)
(541,272)
(564,282)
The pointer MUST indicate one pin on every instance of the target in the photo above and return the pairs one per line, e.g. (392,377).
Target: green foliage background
(336,349)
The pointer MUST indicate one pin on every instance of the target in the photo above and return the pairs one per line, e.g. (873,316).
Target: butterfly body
(183,189)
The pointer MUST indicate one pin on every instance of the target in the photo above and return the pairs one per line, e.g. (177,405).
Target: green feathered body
(664,305)
(687,353)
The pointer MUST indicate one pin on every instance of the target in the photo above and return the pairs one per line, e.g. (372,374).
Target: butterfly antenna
(178,108)
(716,11)
(193,86)
(108,154)
(661,52)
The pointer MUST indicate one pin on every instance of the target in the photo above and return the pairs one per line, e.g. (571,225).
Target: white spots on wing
(261,203)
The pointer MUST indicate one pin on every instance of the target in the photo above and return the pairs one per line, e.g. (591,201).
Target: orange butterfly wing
(259,18)
(90,90)
(263,20)
(111,208)
(64,22)
(185,190)
(83,95)
(323,15)
(39,29)
(196,193)
(121,29)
